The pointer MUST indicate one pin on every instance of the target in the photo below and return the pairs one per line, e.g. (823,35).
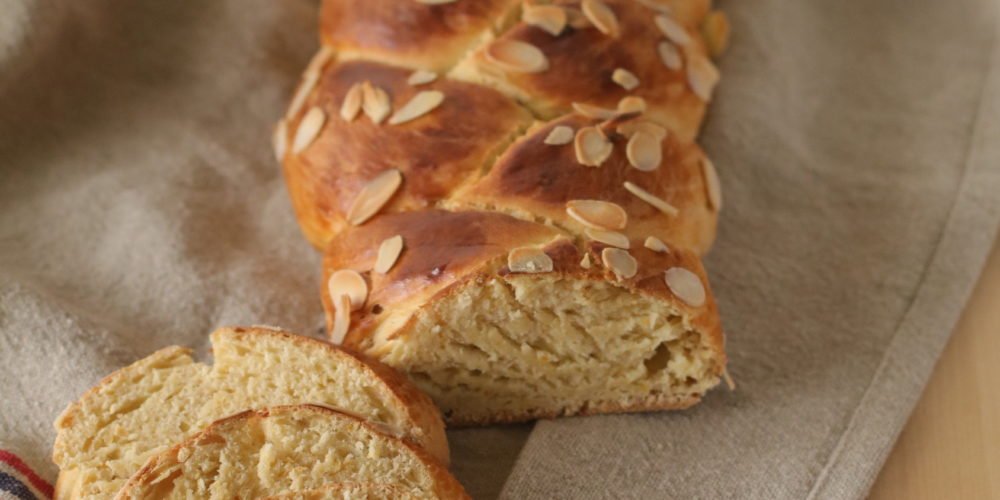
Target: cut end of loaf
(515,347)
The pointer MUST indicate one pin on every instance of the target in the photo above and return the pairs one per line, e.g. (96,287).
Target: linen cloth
(857,141)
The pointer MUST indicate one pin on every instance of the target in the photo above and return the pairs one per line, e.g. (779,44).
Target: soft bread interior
(161,399)
(520,347)
(284,450)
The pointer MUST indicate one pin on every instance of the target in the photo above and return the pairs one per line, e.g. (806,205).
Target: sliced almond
(559,135)
(650,198)
(730,383)
(550,18)
(421,77)
(421,104)
(585,262)
(374,196)
(279,139)
(685,285)
(712,187)
(656,5)
(308,129)
(516,56)
(612,238)
(602,17)
(644,152)
(670,56)
(625,78)
(702,76)
(597,214)
(672,29)
(715,27)
(305,88)
(576,19)
(388,253)
(319,60)
(349,282)
(529,260)
(375,102)
(591,111)
(351,106)
(629,128)
(341,318)
(435,2)
(592,146)
(655,244)
(631,104)
(620,262)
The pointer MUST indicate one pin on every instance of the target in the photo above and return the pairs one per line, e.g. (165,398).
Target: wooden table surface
(950,448)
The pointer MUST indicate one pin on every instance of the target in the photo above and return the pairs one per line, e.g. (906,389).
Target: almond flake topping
(576,20)
(620,262)
(421,104)
(597,214)
(528,260)
(279,140)
(672,29)
(685,285)
(601,16)
(648,197)
(341,318)
(612,238)
(351,106)
(631,127)
(631,104)
(374,102)
(712,187)
(550,18)
(644,152)
(592,146)
(655,244)
(305,88)
(702,76)
(374,196)
(625,78)
(308,129)
(421,76)
(351,283)
(319,60)
(516,56)
(591,111)
(585,262)
(388,253)
(561,134)
(670,56)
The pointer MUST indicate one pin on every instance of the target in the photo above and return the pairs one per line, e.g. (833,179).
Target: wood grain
(950,448)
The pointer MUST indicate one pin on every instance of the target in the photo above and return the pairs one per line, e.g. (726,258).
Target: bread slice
(286,449)
(351,491)
(139,410)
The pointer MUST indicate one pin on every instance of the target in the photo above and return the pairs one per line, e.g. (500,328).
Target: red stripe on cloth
(36,481)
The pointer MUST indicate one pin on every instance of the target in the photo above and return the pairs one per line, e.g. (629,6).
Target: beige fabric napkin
(140,206)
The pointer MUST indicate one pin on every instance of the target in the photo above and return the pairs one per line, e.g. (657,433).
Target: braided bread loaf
(510,201)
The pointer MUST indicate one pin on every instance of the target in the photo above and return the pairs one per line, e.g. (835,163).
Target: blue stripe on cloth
(12,486)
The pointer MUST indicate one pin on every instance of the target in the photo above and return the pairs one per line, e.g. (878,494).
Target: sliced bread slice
(351,491)
(288,449)
(141,409)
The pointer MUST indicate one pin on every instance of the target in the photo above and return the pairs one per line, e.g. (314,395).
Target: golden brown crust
(410,33)
(436,153)
(637,405)
(418,406)
(581,63)
(538,178)
(446,486)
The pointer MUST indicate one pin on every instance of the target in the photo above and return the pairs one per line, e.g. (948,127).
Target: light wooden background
(950,449)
